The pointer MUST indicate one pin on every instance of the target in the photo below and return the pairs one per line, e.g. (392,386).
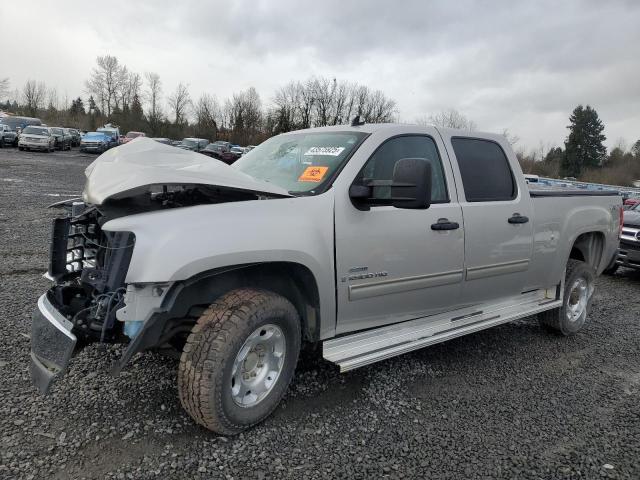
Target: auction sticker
(330,151)
(313,174)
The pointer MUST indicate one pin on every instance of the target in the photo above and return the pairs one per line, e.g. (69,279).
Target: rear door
(391,264)
(498,220)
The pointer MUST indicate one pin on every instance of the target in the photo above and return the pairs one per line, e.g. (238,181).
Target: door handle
(517,218)
(445,224)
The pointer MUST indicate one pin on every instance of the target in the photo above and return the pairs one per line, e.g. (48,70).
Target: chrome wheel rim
(577,300)
(258,365)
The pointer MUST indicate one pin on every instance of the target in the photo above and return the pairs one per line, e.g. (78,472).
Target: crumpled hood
(631,218)
(143,162)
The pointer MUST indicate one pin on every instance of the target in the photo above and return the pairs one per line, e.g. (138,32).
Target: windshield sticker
(313,174)
(330,151)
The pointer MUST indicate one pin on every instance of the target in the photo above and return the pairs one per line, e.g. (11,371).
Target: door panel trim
(403,284)
(474,273)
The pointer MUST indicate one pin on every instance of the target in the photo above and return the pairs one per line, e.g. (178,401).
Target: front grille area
(81,251)
(89,267)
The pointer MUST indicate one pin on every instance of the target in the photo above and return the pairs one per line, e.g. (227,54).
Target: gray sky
(504,64)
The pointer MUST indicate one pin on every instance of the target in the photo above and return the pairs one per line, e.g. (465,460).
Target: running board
(362,348)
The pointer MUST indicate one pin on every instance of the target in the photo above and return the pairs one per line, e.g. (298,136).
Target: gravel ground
(511,402)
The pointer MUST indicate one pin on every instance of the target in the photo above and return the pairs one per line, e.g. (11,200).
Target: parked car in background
(163,140)
(220,152)
(631,202)
(238,151)
(96,142)
(628,254)
(7,136)
(193,144)
(131,135)
(37,138)
(17,124)
(75,136)
(114,132)
(63,139)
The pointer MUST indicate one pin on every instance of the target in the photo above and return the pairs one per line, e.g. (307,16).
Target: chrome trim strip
(54,317)
(403,284)
(474,273)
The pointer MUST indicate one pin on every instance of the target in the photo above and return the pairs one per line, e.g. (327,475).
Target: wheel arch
(589,247)
(185,300)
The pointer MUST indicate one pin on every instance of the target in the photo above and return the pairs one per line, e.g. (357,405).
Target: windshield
(300,162)
(133,134)
(36,131)
(57,131)
(95,135)
(189,143)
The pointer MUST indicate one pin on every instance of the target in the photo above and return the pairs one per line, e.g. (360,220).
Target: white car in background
(37,138)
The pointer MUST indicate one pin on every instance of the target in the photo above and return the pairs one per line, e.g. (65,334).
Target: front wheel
(239,359)
(578,292)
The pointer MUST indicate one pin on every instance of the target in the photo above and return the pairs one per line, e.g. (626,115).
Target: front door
(391,264)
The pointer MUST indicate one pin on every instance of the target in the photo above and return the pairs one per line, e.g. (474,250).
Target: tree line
(115,94)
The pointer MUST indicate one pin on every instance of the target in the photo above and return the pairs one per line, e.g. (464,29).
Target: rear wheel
(578,292)
(612,267)
(239,359)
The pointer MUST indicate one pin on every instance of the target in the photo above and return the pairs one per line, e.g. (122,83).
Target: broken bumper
(52,344)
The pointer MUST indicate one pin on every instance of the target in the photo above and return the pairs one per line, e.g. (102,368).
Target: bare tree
(34,95)
(4,87)
(244,115)
(449,119)
(53,102)
(179,103)
(130,87)
(153,96)
(106,81)
(512,138)
(208,116)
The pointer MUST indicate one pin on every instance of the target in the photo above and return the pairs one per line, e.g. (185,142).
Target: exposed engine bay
(89,265)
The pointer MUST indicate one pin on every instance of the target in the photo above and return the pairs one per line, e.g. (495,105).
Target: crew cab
(370,240)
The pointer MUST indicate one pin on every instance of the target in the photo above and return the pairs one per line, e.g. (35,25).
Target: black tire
(612,267)
(558,320)
(20,148)
(205,371)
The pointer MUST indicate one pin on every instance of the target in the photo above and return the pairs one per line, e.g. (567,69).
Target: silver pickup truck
(371,240)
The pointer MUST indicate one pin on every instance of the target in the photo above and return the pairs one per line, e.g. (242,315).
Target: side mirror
(411,186)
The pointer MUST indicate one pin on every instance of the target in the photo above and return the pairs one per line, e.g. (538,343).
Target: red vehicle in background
(631,202)
(131,135)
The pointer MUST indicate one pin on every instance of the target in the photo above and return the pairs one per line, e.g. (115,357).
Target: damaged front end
(91,300)
(88,266)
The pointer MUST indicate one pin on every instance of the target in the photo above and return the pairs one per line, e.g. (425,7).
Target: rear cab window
(485,170)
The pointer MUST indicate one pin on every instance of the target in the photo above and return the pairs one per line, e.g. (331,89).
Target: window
(380,165)
(486,175)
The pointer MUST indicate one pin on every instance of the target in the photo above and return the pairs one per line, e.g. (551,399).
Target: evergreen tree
(583,147)
(636,149)
(137,114)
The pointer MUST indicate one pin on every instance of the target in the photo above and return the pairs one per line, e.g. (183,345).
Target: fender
(179,244)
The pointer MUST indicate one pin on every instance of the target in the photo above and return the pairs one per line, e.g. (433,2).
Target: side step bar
(362,348)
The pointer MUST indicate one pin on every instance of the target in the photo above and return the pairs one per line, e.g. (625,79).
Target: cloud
(517,65)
